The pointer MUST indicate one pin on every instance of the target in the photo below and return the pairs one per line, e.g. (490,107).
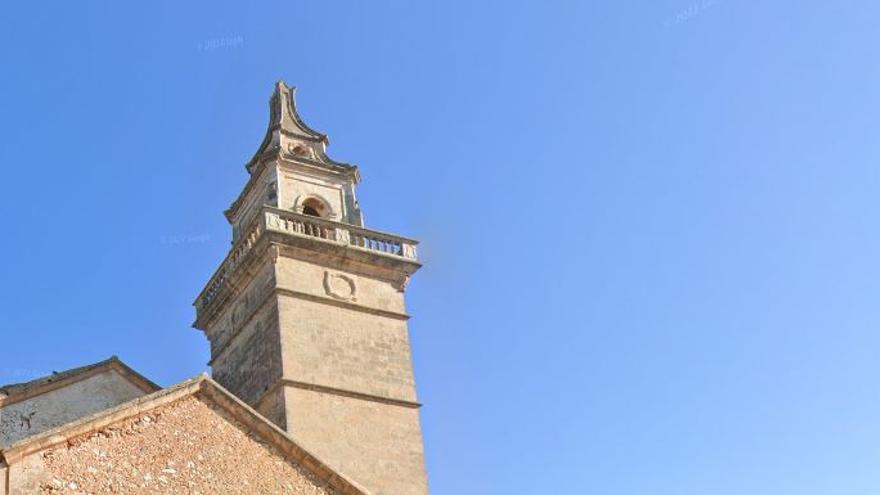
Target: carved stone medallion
(339,286)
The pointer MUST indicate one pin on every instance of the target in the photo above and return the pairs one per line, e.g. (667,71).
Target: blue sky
(649,228)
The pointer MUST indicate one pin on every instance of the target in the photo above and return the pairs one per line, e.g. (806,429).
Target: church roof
(203,388)
(13,392)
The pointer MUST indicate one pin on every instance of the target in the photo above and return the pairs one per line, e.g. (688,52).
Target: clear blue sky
(650,229)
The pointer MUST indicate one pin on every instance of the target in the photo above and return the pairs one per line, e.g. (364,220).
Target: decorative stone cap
(289,137)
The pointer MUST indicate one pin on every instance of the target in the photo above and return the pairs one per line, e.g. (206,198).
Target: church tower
(306,316)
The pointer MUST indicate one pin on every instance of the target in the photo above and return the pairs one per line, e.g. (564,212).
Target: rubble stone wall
(188,446)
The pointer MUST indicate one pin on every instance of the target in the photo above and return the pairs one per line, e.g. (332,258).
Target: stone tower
(306,316)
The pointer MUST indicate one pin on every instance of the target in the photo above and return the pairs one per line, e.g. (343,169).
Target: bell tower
(306,316)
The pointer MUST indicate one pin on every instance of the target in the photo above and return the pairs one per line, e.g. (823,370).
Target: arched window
(315,207)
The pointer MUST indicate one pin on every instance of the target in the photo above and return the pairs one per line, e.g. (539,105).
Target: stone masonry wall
(79,399)
(185,447)
(342,348)
(352,337)
(271,407)
(237,312)
(309,277)
(295,186)
(252,361)
(378,445)
(332,349)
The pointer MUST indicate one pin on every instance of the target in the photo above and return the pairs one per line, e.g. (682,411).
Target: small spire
(288,135)
(283,109)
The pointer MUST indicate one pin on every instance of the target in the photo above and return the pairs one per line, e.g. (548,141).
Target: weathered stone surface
(377,444)
(346,349)
(308,277)
(185,447)
(102,389)
(251,363)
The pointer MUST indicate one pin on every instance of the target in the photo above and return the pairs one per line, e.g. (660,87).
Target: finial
(288,136)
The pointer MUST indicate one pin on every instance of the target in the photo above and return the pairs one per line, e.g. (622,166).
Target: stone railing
(339,233)
(239,250)
(288,222)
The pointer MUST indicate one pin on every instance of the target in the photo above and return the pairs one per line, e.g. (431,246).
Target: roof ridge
(17,392)
(207,388)
(18,387)
(45,438)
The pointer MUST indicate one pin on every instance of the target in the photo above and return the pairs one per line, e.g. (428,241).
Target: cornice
(314,387)
(281,291)
(341,304)
(279,227)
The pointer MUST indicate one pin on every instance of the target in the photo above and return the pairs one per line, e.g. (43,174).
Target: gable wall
(187,446)
(95,393)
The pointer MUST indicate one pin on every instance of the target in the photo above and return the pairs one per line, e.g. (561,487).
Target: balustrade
(297,224)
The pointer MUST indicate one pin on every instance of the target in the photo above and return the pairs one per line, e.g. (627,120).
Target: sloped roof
(202,387)
(15,392)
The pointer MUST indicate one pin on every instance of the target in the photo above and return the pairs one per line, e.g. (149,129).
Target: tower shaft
(306,315)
